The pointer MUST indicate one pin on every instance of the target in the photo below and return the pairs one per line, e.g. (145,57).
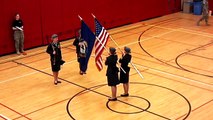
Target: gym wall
(42,18)
(211,5)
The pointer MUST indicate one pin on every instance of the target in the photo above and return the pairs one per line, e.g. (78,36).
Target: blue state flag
(89,37)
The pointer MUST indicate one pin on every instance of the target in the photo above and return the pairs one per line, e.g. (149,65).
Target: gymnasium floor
(171,52)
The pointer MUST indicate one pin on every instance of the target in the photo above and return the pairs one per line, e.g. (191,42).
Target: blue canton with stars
(98,27)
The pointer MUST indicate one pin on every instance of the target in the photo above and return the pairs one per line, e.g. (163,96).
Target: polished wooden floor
(173,54)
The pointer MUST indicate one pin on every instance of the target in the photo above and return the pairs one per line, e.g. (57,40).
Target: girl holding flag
(124,77)
(81,49)
(112,72)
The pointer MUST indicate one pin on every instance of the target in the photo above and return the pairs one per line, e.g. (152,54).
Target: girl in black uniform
(81,50)
(124,77)
(112,72)
(54,50)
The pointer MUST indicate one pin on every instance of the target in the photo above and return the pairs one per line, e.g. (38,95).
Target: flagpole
(80,17)
(130,62)
(123,53)
(101,43)
(107,51)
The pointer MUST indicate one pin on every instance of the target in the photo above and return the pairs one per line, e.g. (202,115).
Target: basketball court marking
(172,30)
(139,108)
(14,112)
(87,88)
(75,60)
(182,30)
(181,68)
(4,117)
(140,66)
(173,75)
(11,79)
(149,38)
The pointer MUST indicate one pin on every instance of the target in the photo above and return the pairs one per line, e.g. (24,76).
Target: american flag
(100,43)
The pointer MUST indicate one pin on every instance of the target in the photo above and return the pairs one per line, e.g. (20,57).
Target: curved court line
(67,45)
(144,25)
(79,93)
(196,108)
(139,42)
(90,89)
(46,107)
(85,88)
(177,58)
(49,74)
(156,62)
(149,105)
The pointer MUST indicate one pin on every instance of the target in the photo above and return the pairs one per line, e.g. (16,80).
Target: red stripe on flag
(99,48)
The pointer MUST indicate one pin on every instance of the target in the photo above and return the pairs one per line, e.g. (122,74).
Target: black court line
(145,110)
(173,41)
(11,109)
(185,53)
(27,56)
(47,74)
(166,62)
(50,105)
(196,108)
(178,81)
(200,56)
(143,25)
(85,88)
(96,87)
(71,43)
(170,73)
(179,66)
(44,58)
(166,20)
(175,75)
(170,62)
(62,78)
(108,96)
(189,104)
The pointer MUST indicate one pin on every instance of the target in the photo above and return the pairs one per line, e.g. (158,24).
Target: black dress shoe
(55,83)
(114,99)
(124,95)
